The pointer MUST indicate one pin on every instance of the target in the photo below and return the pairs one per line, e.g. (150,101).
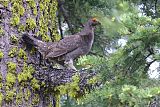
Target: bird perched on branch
(69,47)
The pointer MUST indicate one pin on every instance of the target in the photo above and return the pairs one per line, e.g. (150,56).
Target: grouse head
(93,22)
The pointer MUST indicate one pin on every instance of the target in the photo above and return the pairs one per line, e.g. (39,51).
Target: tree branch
(55,77)
(155,7)
(149,64)
(60,25)
(65,15)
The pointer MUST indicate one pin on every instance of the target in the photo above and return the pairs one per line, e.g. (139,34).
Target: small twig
(149,64)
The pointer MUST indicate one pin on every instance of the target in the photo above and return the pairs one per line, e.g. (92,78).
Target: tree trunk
(24,80)
(18,85)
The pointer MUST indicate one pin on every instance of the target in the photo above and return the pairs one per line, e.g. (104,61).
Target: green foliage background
(124,76)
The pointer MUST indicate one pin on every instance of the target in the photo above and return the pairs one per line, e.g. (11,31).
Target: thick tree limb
(55,77)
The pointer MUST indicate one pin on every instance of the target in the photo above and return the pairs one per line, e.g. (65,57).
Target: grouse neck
(88,29)
(87,35)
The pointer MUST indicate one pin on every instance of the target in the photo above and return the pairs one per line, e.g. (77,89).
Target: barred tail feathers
(29,39)
(40,45)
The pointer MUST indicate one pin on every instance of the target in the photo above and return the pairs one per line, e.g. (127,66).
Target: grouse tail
(29,39)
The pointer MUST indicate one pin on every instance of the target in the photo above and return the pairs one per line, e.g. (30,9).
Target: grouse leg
(69,65)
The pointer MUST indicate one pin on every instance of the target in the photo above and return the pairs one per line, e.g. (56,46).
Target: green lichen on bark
(13,52)
(21,28)
(1,54)
(18,8)
(35,11)
(10,82)
(10,95)
(31,3)
(43,29)
(35,99)
(1,31)
(14,39)
(27,94)
(1,81)
(11,66)
(31,23)
(10,79)
(11,74)
(1,98)
(26,73)
(53,8)
(19,97)
(22,54)
(35,84)
(48,20)
(70,88)
(4,2)
(15,20)
(17,11)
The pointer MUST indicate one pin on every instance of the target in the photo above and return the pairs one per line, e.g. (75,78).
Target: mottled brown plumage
(68,48)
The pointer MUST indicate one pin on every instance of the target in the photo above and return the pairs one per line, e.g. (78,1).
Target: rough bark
(25,81)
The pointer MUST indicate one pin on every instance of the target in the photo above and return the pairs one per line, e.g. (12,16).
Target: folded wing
(64,46)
